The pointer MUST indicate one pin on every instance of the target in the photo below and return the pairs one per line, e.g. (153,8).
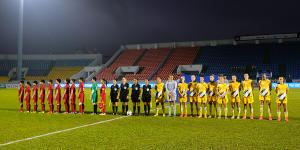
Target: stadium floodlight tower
(20,39)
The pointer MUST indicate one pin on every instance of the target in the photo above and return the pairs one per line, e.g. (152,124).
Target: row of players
(200,94)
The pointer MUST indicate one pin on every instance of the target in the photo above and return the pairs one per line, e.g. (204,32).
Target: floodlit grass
(139,132)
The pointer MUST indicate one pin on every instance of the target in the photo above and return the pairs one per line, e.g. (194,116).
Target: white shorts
(171,99)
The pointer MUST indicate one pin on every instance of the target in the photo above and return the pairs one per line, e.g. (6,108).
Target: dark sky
(62,26)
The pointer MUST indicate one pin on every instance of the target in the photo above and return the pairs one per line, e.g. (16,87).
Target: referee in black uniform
(146,97)
(124,95)
(135,96)
(114,90)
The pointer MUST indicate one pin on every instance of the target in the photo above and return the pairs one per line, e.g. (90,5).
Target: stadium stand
(126,58)
(180,56)
(150,62)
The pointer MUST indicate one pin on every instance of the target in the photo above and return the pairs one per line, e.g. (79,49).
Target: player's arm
(230,87)
(287,90)
(270,86)
(48,92)
(252,86)
(258,85)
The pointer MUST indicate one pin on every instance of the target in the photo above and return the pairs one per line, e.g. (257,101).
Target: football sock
(139,109)
(116,109)
(261,110)
(43,107)
(148,108)
(174,109)
(134,108)
(35,107)
(220,111)
(123,109)
(239,111)
(278,114)
(286,114)
(169,109)
(95,108)
(126,108)
(269,111)
(226,111)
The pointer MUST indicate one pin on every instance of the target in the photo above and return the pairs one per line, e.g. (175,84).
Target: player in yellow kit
(281,92)
(222,90)
(193,94)
(212,96)
(182,96)
(202,96)
(265,87)
(248,86)
(160,95)
(234,88)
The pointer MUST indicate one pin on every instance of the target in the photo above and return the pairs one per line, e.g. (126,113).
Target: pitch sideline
(51,133)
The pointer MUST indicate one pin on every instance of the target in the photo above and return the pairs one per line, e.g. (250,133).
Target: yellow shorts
(223,100)
(235,99)
(193,99)
(182,99)
(203,99)
(281,101)
(212,98)
(159,100)
(248,100)
(264,98)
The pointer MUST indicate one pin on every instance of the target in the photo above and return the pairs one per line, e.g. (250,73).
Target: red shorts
(81,98)
(58,99)
(34,99)
(27,100)
(72,100)
(50,100)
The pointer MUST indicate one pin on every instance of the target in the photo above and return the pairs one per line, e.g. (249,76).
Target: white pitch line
(51,133)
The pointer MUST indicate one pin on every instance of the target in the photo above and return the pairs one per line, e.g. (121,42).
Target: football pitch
(74,131)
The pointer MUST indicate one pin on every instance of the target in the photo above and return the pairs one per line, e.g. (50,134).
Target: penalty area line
(51,133)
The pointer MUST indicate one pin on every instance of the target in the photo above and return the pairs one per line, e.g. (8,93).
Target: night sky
(66,26)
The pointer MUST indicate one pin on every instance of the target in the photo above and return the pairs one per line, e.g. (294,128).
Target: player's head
(115,81)
(67,81)
(212,77)
(21,83)
(221,78)
(225,77)
(81,79)
(281,79)
(201,79)
(42,82)
(246,76)
(182,79)
(171,77)
(50,81)
(73,81)
(35,82)
(58,81)
(94,79)
(158,79)
(146,81)
(193,77)
(135,81)
(28,83)
(124,80)
(233,77)
(264,76)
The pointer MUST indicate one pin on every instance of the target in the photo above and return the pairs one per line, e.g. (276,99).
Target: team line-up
(213,93)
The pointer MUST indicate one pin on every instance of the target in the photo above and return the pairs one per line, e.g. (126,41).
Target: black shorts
(146,99)
(124,99)
(135,99)
(114,99)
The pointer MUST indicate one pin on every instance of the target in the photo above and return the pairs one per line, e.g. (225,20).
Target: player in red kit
(50,96)
(66,95)
(103,94)
(81,96)
(73,96)
(35,95)
(42,95)
(58,95)
(27,96)
(21,95)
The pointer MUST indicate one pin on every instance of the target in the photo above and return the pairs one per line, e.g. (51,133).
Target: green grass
(146,132)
